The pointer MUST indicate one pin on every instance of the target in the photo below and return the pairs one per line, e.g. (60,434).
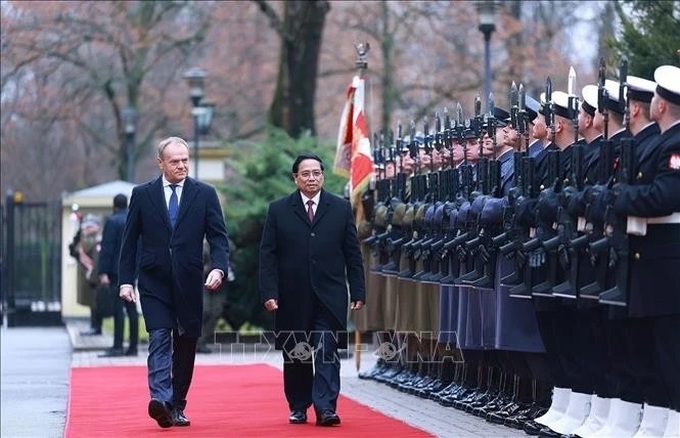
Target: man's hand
(271,305)
(214,280)
(104,279)
(356,305)
(127,292)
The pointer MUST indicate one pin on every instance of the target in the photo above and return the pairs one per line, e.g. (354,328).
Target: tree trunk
(387,76)
(293,106)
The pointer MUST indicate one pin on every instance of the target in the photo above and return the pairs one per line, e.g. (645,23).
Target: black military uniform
(654,301)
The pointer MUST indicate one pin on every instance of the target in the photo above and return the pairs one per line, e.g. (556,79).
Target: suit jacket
(299,259)
(655,257)
(644,149)
(112,238)
(171,260)
(591,156)
(541,158)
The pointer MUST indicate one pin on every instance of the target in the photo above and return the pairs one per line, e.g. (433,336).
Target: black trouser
(555,329)
(96,319)
(666,332)
(305,384)
(123,307)
(591,333)
(636,373)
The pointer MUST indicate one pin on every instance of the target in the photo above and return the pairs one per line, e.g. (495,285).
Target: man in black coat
(171,216)
(112,239)
(308,255)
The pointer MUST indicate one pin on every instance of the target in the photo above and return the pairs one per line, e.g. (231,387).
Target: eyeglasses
(308,174)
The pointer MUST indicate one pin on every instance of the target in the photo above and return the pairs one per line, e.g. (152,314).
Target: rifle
(593,241)
(448,225)
(440,218)
(545,244)
(477,199)
(533,255)
(615,226)
(449,269)
(567,225)
(507,242)
(488,224)
(391,195)
(427,212)
(410,236)
(524,222)
(380,214)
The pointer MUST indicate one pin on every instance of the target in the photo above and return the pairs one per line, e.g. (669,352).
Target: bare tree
(69,68)
(103,57)
(300,30)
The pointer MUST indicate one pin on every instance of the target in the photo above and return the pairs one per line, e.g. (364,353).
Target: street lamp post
(130,121)
(486,9)
(195,77)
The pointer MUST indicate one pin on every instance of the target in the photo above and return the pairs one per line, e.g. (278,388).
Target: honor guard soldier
(653,309)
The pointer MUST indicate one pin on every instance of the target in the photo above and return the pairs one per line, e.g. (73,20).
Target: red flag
(353,157)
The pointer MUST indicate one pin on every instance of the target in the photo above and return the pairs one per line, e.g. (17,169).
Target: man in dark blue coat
(170,216)
(309,255)
(112,239)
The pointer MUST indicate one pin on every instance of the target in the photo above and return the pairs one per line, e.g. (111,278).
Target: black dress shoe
(113,352)
(297,417)
(131,352)
(547,432)
(327,418)
(91,332)
(160,412)
(532,428)
(178,418)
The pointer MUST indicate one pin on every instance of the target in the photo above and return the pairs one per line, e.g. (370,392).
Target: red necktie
(310,210)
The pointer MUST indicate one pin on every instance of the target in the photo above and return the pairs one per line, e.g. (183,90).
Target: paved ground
(35,374)
(35,364)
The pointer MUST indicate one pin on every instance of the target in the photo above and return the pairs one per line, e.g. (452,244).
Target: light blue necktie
(173,206)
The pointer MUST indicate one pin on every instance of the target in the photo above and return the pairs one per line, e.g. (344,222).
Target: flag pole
(361,64)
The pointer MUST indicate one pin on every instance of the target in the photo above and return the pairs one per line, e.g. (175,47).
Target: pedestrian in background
(85,249)
(112,238)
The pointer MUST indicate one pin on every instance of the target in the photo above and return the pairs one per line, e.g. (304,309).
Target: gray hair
(168,141)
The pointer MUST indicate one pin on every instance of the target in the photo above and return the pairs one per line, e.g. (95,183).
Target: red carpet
(224,401)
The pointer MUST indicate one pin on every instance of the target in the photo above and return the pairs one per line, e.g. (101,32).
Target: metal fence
(31,262)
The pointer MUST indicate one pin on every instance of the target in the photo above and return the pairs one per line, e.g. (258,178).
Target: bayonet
(514,106)
(623,95)
(571,81)
(548,109)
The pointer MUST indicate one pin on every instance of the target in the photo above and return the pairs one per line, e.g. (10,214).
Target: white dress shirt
(167,191)
(315,199)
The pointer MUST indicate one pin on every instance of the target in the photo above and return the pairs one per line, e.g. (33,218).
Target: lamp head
(486,10)
(195,77)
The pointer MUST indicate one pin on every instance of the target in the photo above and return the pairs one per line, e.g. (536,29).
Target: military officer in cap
(370,318)
(654,302)
(534,117)
(592,135)
(517,342)
(590,329)
(540,133)
(615,123)
(507,141)
(641,126)
(557,319)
